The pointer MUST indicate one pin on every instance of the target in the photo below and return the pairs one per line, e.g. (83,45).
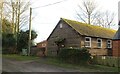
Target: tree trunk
(13,25)
(89,19)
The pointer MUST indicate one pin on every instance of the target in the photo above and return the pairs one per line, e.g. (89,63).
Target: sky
(46,18)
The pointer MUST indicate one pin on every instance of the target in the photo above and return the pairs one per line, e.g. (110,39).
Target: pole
(29,42)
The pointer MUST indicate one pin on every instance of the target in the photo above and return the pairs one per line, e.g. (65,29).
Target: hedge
(106,60)
(74,55)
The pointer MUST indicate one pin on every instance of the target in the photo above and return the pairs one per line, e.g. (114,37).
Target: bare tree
(1,15)
(105,19)
(1,10)
(109,19)
(87,11)
(17,10)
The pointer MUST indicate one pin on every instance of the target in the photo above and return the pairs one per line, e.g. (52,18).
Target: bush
(8,40)
(74,55)
(8,43)
(22,39)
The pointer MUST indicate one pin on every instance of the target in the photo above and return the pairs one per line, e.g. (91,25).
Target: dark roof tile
(117,35)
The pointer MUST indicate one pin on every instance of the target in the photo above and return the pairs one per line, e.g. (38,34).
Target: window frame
(99,42)
(88,41)
(109,43)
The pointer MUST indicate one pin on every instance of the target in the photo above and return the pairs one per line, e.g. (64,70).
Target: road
(31,66)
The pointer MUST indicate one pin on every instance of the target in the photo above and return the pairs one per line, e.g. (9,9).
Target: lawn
(20,57)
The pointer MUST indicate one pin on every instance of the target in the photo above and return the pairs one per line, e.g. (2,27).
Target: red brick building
(43,47)
(116,44)
(116,39)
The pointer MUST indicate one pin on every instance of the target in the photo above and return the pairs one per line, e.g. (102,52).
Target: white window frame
(99,42)
(109,43)
(88,41)
(61,25)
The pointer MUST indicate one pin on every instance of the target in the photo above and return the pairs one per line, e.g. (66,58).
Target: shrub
(8,43)
(74,55)
(8,40)
(108,61)
(23,37)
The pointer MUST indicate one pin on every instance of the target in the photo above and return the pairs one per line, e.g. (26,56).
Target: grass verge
(19,57)
(81,68)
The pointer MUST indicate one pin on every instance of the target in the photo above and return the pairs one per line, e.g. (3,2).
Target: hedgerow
(74,55)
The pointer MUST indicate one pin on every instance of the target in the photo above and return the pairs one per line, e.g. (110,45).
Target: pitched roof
(90,30)
(117,35)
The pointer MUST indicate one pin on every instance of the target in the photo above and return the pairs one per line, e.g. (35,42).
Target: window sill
(88,47)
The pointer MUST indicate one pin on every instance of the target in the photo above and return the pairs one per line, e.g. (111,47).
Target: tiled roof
(90,30)
(117,35)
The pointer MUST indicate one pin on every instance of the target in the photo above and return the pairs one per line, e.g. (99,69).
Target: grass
(20,57)
(83,68)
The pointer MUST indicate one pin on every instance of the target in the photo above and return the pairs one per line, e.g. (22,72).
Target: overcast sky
(46,18)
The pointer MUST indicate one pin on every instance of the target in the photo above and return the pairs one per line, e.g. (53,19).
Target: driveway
(31,66)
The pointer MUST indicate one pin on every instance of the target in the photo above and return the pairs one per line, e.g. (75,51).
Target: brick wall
(116,48)
(43,48)
(42,44)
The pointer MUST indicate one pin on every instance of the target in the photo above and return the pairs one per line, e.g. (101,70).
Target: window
(109,44)
(61,25)
(99,43)
(87,41)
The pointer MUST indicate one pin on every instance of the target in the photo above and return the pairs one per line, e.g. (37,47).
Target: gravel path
(31,66)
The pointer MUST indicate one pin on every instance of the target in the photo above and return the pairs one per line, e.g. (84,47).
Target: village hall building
(75,34)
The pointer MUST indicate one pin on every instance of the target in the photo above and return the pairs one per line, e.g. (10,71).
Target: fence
(106,60)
